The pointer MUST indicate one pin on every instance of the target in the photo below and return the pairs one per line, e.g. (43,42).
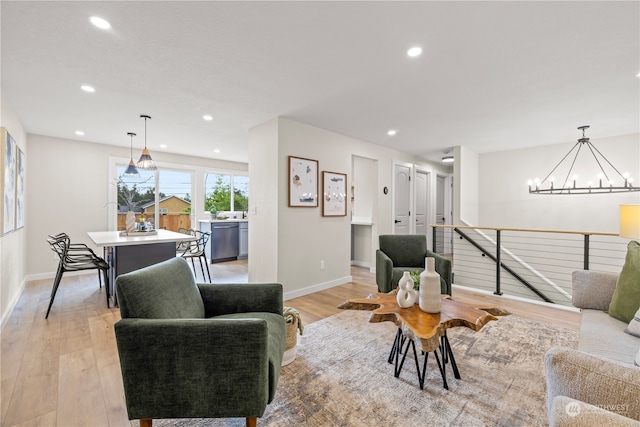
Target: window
(173,197)
(218,190)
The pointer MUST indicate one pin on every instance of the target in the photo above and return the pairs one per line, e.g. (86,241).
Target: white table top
(113,238)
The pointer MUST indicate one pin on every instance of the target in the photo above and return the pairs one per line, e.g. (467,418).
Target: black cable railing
(538,263)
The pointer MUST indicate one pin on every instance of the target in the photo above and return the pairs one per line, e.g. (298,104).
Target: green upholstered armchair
(192,350)
(406,252)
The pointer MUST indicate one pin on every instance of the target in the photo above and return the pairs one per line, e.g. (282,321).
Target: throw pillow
(634,325)
(626,297)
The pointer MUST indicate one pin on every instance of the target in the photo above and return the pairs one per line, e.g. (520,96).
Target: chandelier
(605,183)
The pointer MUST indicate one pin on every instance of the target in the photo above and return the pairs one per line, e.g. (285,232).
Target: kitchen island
(129,253)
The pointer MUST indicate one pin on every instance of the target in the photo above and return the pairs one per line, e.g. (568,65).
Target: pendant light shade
(145,161)
(131,170)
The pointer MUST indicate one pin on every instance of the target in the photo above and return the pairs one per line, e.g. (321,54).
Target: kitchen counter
(224,220)
(129,253)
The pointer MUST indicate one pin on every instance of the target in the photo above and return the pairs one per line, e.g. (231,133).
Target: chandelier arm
(564,184)
(592,147)
(559,163)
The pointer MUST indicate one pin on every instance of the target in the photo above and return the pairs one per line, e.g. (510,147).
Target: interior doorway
(421,216)
(402,199)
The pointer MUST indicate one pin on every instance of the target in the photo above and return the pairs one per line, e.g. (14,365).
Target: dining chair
(75,257)
(197,249)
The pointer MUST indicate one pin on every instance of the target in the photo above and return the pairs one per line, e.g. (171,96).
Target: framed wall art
(8,182)
(303,182)
(334,194)
(20,189)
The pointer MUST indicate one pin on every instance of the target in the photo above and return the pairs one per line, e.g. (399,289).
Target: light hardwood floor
(64,371)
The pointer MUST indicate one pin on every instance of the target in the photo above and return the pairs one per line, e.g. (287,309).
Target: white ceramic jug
(430,287)
(406,296)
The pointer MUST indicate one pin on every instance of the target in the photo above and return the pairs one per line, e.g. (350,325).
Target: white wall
(13,246)
(264,199)
(304,237)
(505,201)
(466,189)
(69,191)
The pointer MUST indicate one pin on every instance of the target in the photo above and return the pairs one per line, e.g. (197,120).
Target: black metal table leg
(449,352)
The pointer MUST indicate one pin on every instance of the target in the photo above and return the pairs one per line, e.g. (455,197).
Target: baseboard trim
(12,305)
(364,264)
(516,298)
(317,288)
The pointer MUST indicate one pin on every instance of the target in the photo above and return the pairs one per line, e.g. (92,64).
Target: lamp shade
(630,221)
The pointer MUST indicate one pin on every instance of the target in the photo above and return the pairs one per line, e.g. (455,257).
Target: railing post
(586,252)
(498,263)
(433,240)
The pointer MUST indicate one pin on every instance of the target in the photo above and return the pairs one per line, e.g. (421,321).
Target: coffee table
(429,331)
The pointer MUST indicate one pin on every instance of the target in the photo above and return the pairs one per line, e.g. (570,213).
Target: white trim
(516,298)
(317,288)
(12,305)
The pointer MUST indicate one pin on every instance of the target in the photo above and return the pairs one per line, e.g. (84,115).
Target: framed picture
(8,182)
(20,190)
(303,182)
(334,194)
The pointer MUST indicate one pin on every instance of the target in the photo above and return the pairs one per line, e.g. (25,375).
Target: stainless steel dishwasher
(225,239)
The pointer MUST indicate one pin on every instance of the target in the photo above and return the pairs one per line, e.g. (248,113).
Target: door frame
(411,167)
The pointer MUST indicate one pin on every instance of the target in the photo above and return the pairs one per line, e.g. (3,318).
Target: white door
(421,197)
(402,199)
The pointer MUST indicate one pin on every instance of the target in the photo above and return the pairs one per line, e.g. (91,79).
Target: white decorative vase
(430,287)
(130,223)
(406,296)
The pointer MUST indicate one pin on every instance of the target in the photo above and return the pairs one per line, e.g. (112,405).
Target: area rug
(341,378)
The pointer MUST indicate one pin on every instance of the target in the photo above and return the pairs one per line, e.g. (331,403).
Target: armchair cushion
(592,380)
(626,298)
(567,412)
(166,293)
(400,253)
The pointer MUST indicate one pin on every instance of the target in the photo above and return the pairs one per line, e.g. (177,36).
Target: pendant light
(131,170)
(606,183)
(145,161)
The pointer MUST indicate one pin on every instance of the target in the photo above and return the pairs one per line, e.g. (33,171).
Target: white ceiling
(492,76)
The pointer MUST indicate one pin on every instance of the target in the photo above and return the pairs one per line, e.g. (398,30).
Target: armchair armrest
(384,269)
(232,298)
(583,414)
(204,360)
(443,267)
(592,380)
(593,289)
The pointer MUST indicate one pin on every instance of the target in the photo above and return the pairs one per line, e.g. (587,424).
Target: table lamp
(630,221)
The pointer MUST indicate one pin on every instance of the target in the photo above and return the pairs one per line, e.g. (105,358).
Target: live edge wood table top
(421,327)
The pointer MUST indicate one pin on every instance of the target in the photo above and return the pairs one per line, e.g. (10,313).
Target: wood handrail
(531,230)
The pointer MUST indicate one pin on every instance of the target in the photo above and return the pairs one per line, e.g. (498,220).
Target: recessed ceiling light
(447,159)
(207,117)
(100,23)
(392,132)
(87,88)
(414,51)
(638,75)
(79,133)
(163,145)
(216,151)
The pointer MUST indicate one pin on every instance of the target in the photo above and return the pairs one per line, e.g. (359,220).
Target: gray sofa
(597,383)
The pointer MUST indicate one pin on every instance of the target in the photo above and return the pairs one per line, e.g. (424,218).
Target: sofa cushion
(603,336)
(634,325)
(637,360)
(626,298)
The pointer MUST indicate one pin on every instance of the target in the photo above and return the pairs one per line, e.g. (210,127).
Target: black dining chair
(181,246)
(196,249)
(75,257)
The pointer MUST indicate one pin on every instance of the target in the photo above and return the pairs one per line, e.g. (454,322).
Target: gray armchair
(406,252)
(192,350)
